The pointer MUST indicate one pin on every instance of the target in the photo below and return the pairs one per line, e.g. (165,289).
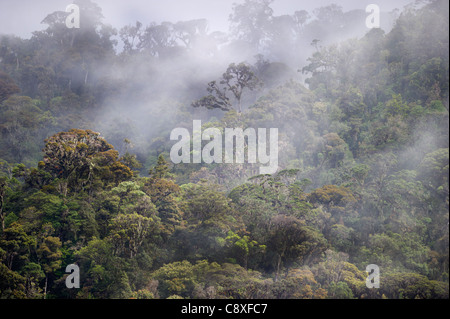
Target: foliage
(235,79)
(363,157)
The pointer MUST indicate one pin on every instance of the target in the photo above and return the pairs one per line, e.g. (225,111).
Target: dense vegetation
(363,156)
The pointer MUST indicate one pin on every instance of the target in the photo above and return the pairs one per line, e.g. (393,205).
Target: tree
(206,205)
(232,281)
(331,13)
(129,231)
(3,188)
(332,195)
(242,248)
(175,279)
(256,210)
(129,197)
(157,39)
(322,65)
(102,268)
(433,170)
(161,170)
(412,286)
(68,153)
(163,192)
(21,125)
(72,53)
(208,216)
(45,212)
(395,250)
(7,86)
(49,255)
(341,278)
(339,290)
(190,31)
(290,239)
(16,243)
(298,284)
(128,159)
(300,18)
(352,105)
(234,80)
(130,36)
(251,21)
(12,284)
(334,151)
(78,156)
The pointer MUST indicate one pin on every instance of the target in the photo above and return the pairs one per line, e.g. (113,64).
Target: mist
(356,168)
(160,56)
(180,75)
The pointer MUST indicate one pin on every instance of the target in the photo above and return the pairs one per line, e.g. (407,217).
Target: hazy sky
(21,17)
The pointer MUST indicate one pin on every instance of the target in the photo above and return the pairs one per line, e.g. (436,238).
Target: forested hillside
(362,114)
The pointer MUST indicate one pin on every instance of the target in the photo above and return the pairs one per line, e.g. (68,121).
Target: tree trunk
(278,268)
(45,286)
(10,261)
(2,216)
(2,203)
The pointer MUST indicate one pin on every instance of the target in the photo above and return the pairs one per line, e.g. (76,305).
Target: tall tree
(250,21)
(3,187)
(7,86)
(77,156)
(236,79)
(290,239)
(128,232)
